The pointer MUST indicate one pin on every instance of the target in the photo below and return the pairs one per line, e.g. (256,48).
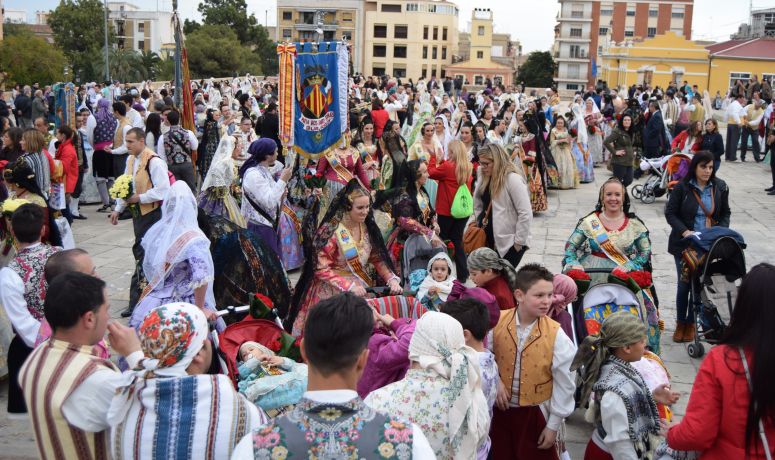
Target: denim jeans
(682,308)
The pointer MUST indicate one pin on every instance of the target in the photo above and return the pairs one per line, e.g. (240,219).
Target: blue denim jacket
(706,195)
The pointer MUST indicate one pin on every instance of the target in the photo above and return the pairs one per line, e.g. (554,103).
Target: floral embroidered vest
(29,264)
(333,431)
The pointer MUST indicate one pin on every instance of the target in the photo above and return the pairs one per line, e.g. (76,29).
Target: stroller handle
(598,270)
(232,310)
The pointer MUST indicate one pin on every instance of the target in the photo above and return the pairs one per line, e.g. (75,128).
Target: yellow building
(655,61)
(409,39)
(480,64)
(741,59)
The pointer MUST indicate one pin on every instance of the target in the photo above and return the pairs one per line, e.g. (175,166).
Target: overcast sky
(530,21)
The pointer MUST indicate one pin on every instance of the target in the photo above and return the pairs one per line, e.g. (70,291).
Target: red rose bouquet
(574,132)
(581,278)
(450,249)
(635,280)
(285,345)
(314,180)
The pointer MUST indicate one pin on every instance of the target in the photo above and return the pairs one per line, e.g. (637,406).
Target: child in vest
(494,274)
(474,317)
(270,381)
(536,385)
(437,284)
(623,409)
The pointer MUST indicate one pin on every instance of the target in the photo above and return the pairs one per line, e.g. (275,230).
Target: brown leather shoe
(689,332)
(680,331)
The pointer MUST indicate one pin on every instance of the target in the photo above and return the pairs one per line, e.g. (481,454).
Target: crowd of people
(429,198)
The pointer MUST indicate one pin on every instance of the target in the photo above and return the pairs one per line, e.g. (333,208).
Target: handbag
(463,203)
(762,433)
(709,220)
(475,236)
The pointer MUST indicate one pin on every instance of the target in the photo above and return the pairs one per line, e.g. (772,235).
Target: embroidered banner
(286,53)
(319,117)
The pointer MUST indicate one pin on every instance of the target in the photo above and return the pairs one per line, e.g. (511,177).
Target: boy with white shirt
(334,346)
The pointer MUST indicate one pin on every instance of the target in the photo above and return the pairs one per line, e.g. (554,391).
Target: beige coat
(511,213)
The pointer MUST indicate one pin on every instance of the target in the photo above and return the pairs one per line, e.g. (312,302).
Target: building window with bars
(653,13)
(575,32)
(603,31)
(652,32)
(400,31)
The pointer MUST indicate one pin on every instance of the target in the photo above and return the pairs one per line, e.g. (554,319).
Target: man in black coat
(269,126)
(654,138)
(23,110)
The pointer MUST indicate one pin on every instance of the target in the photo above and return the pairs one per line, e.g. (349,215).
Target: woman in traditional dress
(559,144)
(426,148)
(496,135)
(527,158)
(366,145)
(177,263)
(442,132)
(441,392)
(215,198)
(22,184)
(338,255)
(394,151)
(339,166)
(210,143)
(101,136)
(592,118)
(580,147)
(412,210)
(609,237)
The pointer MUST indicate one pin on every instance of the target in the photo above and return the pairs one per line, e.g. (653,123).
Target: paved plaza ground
(753,215)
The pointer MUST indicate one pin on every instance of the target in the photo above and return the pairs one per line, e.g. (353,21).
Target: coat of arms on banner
(315,97)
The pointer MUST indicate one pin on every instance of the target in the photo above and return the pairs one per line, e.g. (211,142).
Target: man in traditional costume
(331,421)
(150,183)
(66,386)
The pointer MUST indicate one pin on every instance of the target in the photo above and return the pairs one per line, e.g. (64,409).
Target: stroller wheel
(648,197)
(696,350)
(637,191)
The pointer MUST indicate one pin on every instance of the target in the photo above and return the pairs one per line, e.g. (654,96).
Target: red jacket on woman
(445,174)
(66,154)
(718,407)
(380,118)
(679,142)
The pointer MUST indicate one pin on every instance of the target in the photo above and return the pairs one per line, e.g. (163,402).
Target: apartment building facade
(141,30)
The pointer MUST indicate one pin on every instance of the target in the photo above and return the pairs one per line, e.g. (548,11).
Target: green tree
(167,69)
(538,70)
(215,50)
(127,66)
(234,14)
(150,62)
(79,27)
(28,59)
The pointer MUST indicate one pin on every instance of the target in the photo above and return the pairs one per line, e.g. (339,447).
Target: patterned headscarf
(461,291)
(618,330)
(438,344)
(565,292)
(486,258)
(170,336)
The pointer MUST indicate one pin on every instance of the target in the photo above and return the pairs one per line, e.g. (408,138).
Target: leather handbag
(475,236)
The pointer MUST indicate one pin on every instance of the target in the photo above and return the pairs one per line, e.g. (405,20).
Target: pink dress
(334,276)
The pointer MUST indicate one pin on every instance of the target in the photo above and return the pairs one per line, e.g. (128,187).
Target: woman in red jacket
(380,117)
(66,154)
(688,140)
(451,174)
(724,417)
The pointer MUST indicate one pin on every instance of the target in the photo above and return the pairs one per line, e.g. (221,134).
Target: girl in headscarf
(565,292)
(493,274)
(442,391)
(199,412)
(338,252)
(101,136)
(215,198)
(211,137)
(623,408)
(177,263)
(437,284)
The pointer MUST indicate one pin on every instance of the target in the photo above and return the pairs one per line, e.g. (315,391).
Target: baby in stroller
(270,381)
(436,282)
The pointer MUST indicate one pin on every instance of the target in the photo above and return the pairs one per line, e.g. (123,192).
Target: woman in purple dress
(177,263)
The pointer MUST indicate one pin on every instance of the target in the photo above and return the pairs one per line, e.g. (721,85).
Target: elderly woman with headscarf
(177,263)
(442,390)
(169,406)
(262,196)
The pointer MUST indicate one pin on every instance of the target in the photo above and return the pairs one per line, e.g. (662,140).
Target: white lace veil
(581,125)
(178,224)
(221,172)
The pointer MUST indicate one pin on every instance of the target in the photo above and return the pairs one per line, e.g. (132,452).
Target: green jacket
(620,140)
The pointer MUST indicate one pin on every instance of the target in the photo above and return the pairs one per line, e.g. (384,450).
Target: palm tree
(126,65)
(151,62)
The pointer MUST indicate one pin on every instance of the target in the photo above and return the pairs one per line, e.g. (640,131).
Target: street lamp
(107,64)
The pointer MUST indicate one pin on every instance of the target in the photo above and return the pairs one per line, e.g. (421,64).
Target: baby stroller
(226,344)
(416,253)
(656,183)
(397,306)
(714,291)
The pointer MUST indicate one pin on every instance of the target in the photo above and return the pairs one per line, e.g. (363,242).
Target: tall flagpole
(178,56)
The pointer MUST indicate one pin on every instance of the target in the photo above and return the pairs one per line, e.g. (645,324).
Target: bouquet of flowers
(591,130)
(12,204)
(635,280)
(123,189)
(450,249)
(574,132)
(581,278)
(285,345)
(314,181)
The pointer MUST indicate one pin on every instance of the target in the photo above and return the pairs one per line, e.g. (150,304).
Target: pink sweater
(388,356)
